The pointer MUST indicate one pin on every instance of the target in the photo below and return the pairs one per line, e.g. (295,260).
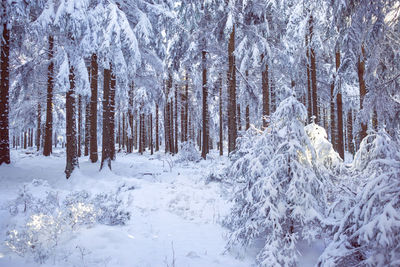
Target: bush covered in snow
(188,152)
(282,199)
(46,217)
(369,232)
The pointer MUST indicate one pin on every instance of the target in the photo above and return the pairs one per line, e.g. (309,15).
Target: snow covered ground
(175,216)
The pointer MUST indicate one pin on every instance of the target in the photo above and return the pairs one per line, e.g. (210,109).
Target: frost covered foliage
(325,154)
(369,233)
(46,218)
(188,152)
(282,199)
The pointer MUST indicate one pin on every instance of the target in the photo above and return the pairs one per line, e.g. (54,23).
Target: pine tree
(106,156)
(48,133)
(93,109)
(232,127)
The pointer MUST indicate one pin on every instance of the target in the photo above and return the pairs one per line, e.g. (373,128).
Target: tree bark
(239,119)
(339,103)
(39,125)
(313,75)
(106,144)
(221,141)
(265,93)
(130,119)
(157,134)
(72,157)
(48,132)
(232,128)
(79,145)
(247,117)
(93,109)
(350,131)
(151,134)
(176,119)
(332,119)
(112,114)
(363,90)
(204,150)
(186,106)
(309,92)
(87,127)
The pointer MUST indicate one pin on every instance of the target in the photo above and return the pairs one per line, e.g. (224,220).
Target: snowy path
(175,216)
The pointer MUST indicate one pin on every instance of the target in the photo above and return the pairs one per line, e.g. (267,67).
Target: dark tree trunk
(151,134)
(204,150)
(176,119)
(239,119)
(221,141)
(313,75)
(340,144)
(247,117)
(140,135)
(157,134)
(350,131)
(375,120)
(130,119)
(39,125)
(332,119)
(72,157)
(48,132)
(309,92)
(363,90)
(25,140)
(186,106)
(123,130)
(79,125)
(232,128)
(87,127)
(93,109)
(265,93)
(112,115)
(106,144)
(171,133)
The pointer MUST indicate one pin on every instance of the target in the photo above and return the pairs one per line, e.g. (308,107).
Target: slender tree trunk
(157,134)
(48,133)
(171,133)
(265,93)
(239,119)
(79,125)
(186,106)
(232,128)
(204,149)
(151,134)
(339,103)
(247,117)
(363,90)
(87,127)
(333,120)
(140,135)
(375,120)
(72,156)
(176,119)
(313,75)
(221,141)
(106,143)
(112,114)
(25,140)
(39,125)
(309,92)
(93,109)
(130,119)
(123,130)
(350,131)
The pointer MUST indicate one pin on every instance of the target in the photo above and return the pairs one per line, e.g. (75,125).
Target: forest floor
(175,216)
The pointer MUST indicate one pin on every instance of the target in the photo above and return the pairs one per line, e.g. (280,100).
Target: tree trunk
(176,119)
(79,125)
(130,119)
(221,141)
(171,133)
(265,93)
(309,92)
(313,75)
(204,150)
(87,127)
(106,143)
(350,131)
(151,134)
(332,119)
(232,128)
(157,134)
(186,106)
(48,132)
(339,103)
(72,157)
(112,114)
(239,119)
(93,109)
(363,90)
(39,123)
(247,117)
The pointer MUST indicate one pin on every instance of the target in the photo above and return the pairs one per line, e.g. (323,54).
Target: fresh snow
(175,216)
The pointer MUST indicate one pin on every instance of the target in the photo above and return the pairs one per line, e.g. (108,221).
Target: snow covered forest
(200,133)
